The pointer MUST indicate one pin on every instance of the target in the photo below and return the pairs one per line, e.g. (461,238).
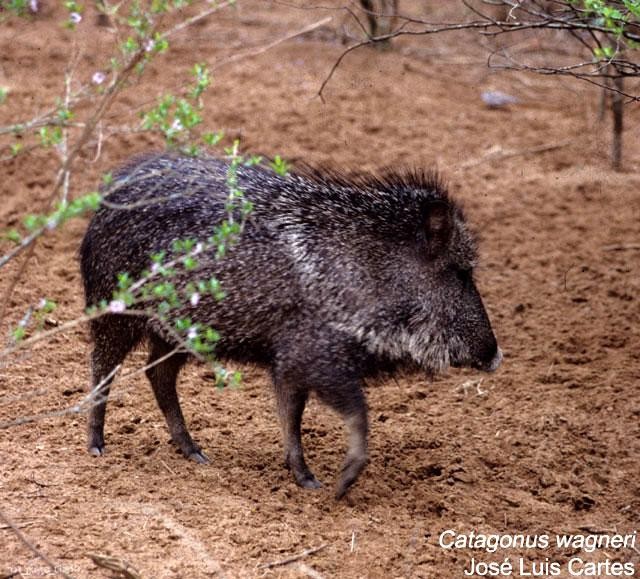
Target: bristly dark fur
(335,277)
(388,179)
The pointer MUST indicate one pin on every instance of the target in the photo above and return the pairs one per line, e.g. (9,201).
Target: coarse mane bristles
(425,182)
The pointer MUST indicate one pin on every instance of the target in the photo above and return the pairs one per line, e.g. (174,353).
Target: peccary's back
(150,204)
(161,199)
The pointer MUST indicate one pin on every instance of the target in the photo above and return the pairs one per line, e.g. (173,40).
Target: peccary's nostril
(495,362)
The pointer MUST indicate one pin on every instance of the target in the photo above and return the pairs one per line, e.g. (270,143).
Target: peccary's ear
(437,226)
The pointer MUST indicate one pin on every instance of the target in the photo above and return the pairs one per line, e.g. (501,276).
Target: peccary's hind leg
(291,402)
(163,375)
(113,340)
(348,399)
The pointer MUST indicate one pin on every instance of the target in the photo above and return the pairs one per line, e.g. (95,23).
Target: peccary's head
(452,307)
(391,261)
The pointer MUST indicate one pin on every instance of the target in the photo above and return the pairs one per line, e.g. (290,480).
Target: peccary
(334,279)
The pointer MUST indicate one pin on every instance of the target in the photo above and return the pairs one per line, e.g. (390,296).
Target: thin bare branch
(498,153)
(527,16)
(293,558)
(57,569)
(93,397)
(621,247)
(270,45)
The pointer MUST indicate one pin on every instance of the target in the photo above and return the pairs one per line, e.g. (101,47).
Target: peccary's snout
(494,362)
(485,355)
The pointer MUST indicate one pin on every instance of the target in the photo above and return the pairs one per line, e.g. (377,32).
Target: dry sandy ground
(549,444)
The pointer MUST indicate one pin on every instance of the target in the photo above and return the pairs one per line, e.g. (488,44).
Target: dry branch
(523,17)
(621,247)
(270,45)
(497,153)
(57,570)
(293,558)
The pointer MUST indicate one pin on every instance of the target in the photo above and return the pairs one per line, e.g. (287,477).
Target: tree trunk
(617,109)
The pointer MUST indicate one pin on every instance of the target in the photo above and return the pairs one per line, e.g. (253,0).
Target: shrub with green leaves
(67,126)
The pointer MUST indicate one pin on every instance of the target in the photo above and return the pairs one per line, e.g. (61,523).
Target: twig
(75,409)
(196,18)
(163,463)
(120,566)
(18,533)
(22,526)
(596,530)
(497,152)
(107,99)
(534,20)
(32,478)
(621,247)
(293,558)
(262,49)
(93,397)
(89,128)
(28,342)
(63,147)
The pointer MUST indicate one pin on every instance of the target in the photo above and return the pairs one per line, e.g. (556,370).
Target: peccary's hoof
(96,450)
(199,457)
(350,472)
(309,482)
(342,489)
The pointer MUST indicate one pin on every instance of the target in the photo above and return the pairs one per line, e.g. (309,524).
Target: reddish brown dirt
(548,444)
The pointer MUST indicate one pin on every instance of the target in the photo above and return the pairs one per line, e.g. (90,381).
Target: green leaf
(13,235)
(158,257)
(33,222)
(124,280)
(19,333)
(279,166)
(213,139)
(183,324)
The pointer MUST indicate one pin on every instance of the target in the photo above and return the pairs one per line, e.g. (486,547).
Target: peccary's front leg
(324,364)
(348,399)
(291,402)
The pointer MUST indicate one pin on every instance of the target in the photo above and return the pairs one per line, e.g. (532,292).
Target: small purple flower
(194,299)
(33,6)
(117,306)
(177,125)
(75,17)
(98,77)
(198,248)
(42,303)
(155,267)
(192,334)
(149,45)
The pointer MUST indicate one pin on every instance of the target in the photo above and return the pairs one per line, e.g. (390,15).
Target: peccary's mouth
(494,364)
(490,366)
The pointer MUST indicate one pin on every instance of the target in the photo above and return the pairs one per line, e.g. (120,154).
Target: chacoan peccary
(334,279)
